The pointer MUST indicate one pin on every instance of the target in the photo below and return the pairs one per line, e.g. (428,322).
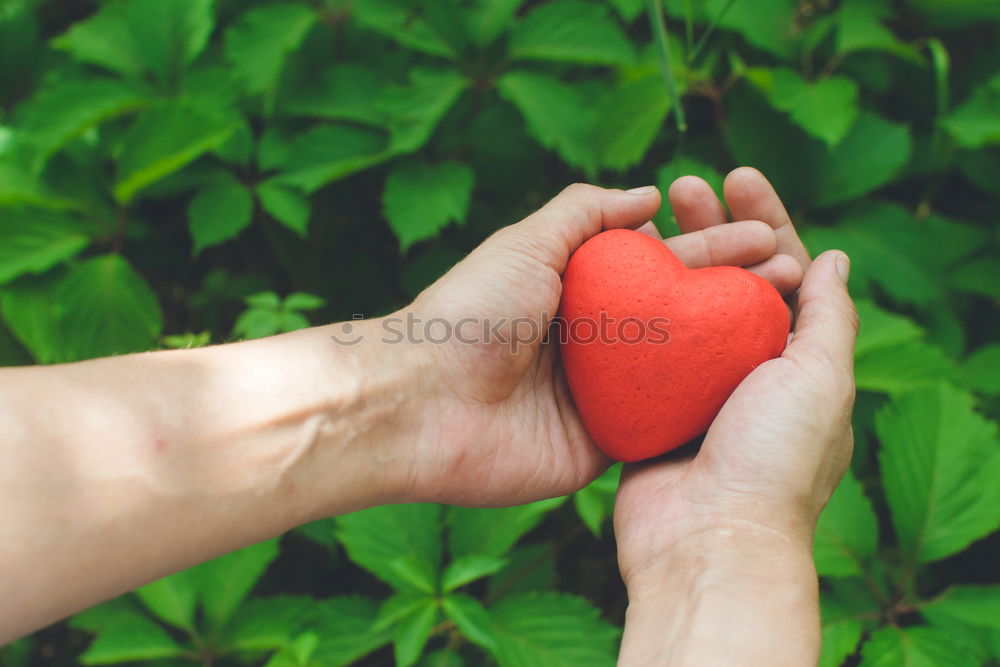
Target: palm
(514,434)
(744,470)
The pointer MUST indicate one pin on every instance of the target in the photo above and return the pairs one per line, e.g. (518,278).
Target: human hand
(499,424)
(728,532)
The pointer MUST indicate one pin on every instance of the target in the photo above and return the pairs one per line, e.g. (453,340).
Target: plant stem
(655,10)
(688,26)
(693,54)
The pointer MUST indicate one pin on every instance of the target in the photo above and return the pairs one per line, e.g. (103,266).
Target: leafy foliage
(168,169)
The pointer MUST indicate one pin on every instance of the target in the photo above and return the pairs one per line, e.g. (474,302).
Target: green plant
(171,167)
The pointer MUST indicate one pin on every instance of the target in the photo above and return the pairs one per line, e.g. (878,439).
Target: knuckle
(578,189)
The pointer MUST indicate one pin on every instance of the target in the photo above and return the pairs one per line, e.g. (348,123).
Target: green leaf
(163,140)
(319,531)
(412,633)
(97,619)
(327,153)
(257,45)
(972,605)
(298,653)
(106,308)
(486,20)
(939,459)
(982,167)
(974,124)
(132,638)
(869,156)
(596,501)
(132,36)
(919,646)
(30,312)
(170,35)
(173,599)
(769,25)
(572,31)
(557,115)
(891,355)
(407,23)
(979,276)
(19,187)
(898,369)
(627,9)
(19,653)
(840,634)
(303,301)
(492,532)
(266,623)
(420,198)
(414,110)
(104,39)
(472,619)
(267,314)
(286,205)
(826,108)
(859,28)
(376,537)
(881,329)
(847,532)
(884,241)
(58,115)
(629,117)
(397,607)
(466,569)
(552,629)
(219,213)
(346,92)
(35,241)
(981,370)
(344,625)
(531,568)
(224,582)
(416,572)
(753,128)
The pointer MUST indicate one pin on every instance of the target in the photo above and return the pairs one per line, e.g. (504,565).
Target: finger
(735,244)
(650,230)
(579,212)
(751,197)
(827,323)
(695,205)
(781,271)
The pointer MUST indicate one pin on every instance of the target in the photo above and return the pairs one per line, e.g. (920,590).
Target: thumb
(578,212)
(827,323)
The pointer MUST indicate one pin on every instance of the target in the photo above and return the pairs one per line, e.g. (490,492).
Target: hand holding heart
(782,441)
(502,427)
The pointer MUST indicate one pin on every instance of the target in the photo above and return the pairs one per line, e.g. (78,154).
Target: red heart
(644,386)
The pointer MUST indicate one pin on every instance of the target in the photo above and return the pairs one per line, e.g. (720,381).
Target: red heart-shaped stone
(652,349)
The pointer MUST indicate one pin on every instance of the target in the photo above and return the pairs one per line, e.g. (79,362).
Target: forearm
(740,595)
(118,471)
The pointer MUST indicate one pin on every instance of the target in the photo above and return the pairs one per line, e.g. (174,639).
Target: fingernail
(644,190)
(844,267)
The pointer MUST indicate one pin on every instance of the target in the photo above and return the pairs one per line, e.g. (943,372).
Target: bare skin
(119,471)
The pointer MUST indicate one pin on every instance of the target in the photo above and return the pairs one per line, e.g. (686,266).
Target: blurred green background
(185,172)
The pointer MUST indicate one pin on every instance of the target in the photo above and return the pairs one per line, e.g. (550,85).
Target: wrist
(377,390)
(734,593)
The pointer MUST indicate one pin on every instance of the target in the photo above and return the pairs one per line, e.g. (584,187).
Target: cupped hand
(783,439)
(500,427)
